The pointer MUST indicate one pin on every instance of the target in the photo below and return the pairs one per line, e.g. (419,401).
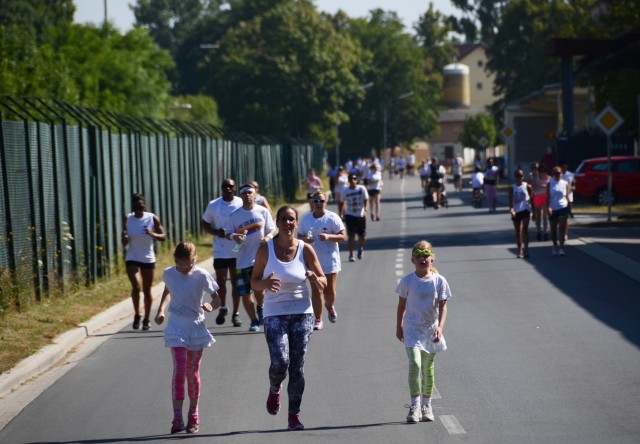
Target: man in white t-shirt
(249,226)
(213,221)
(356,200)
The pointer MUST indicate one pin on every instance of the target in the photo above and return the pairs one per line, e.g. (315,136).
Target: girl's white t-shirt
(188,291)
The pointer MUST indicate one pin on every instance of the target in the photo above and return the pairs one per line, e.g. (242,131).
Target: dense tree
(395,63)
(199,109)
(36,15)
(478,127)
(283,72)
(432,32)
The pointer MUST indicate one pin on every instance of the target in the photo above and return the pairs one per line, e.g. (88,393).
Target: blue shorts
(243,281)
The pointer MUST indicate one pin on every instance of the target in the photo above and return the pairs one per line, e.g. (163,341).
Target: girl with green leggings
(422,311)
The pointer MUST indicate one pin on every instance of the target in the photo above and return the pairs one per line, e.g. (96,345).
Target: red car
(591,179)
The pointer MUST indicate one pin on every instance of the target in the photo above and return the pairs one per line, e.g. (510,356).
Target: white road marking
(452,425)
(399,273)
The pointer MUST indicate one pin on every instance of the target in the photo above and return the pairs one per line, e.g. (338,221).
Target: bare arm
(158,231)
(339,237)
(271,283)
(164,301)
(402,307)
(125,236)
(314,270)
(207,228)
(442,317)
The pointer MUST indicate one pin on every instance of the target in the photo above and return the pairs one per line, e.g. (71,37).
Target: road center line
(452,425)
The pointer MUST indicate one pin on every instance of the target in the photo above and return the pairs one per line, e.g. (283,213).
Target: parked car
(591,179)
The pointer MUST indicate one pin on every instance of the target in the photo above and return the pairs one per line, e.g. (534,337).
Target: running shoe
(222,314)
(554,251)
(414,414)
(526,253)
(235,320)
(560,252)
(193,425)
(427,413)
(146,324)
(318,325)
(177,425)
(333,315)
(294,422)
(351,259)
(273,402)
(260,311)
(136,322)
(359,253)
(255,326)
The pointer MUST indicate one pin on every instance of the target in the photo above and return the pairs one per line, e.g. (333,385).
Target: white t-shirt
(354,199)
(140,246)
(328,251)
(255,224)
(294,296)
(374,180)
(477,180)
(341,183)
(422,311)
(217,214)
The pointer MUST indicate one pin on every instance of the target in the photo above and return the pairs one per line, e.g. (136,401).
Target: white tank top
(293,296)
(140,246)
(520,198)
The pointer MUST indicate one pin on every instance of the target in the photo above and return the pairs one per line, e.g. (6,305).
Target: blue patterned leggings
(287,338)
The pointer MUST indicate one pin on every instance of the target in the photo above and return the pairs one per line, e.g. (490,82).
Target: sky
(92,11)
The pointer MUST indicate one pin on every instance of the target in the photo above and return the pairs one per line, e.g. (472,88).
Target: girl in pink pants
(186,334)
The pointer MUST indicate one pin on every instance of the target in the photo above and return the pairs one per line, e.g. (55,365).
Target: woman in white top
(374,184)
(520,207)
(140,230)
(324,230)
(558,199)
(282,268)
(341,183)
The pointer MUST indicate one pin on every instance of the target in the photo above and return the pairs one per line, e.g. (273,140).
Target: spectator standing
(214,220)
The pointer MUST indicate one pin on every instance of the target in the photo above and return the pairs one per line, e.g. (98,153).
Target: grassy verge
(24,333)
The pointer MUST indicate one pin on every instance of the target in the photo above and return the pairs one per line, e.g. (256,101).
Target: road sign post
(608,121)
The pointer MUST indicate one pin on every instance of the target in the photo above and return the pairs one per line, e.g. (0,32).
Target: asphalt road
(543,350)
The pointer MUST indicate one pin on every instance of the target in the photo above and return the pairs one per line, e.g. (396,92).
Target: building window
(479,86)
(480,63)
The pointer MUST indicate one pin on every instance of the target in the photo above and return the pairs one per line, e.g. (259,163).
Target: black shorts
(562,213)
(373,192)
(356,225)
(456,177)
(141,265)
(226,262)
(521,215)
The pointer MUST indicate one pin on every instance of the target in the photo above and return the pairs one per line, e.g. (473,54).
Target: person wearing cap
(356,201)
(374,188)
(213,221)
(323,230)
(249,226)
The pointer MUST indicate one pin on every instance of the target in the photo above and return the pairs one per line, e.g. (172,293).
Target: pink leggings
(186,365)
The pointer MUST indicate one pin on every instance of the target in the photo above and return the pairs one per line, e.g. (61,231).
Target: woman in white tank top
(520,206)
(282,268)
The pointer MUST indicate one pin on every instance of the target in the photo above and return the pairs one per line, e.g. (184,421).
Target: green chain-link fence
(68,173)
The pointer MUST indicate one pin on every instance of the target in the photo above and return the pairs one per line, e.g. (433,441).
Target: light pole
(385,118)
(360,87)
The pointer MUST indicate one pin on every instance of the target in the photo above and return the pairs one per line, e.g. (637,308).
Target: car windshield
(580,167)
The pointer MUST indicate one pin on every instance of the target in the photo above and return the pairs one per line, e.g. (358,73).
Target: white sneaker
(414,414)
(554,251)
(427,413)
(560,252)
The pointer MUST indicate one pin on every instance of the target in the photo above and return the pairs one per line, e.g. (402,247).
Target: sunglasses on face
(418,252)
(287,219)
(319,201)
(228,187)
(352,178)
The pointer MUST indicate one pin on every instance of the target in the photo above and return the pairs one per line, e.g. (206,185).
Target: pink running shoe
(333,315)
(193,424)
(177,426)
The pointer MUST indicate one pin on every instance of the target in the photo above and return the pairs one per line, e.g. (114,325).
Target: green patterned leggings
(421,372)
